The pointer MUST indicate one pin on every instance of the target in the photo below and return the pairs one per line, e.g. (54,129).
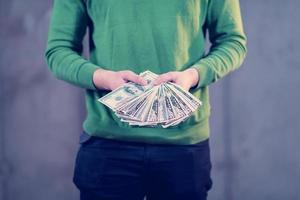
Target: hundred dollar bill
(126,106)
(153,114)
(177,109)
(194,101)
(167,104)
(121,95)
(144,111)
(187,109)
(162,109)
(128,91)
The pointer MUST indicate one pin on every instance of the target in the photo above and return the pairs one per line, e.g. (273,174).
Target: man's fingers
(131,76)
(184,85)
(170,76)
(117,83)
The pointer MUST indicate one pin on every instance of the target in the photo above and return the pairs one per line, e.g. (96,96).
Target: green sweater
(155,35)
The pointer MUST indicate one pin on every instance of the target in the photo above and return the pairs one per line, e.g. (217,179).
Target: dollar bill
(165,105)
(121,95)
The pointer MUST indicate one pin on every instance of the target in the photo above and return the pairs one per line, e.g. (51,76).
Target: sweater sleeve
(228,42)
(67,28)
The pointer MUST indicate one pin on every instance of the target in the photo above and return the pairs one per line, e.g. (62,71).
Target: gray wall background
(255,119)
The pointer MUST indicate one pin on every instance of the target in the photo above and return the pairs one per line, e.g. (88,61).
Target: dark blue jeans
(117,170)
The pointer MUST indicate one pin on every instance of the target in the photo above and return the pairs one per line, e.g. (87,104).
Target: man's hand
(110,80)
(186,79)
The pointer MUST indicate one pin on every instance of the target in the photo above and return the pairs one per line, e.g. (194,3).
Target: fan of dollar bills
(166,104)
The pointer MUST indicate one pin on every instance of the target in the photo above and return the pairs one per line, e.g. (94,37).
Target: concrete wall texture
(255,110)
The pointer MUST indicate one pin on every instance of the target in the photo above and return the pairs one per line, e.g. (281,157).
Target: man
(119,161)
